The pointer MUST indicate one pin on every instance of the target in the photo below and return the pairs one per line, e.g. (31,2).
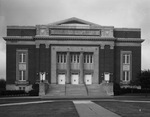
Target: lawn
(52,109)
(126,109)
(18,100)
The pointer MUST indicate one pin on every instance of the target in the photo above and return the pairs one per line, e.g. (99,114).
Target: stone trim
(127,29)
(17,63)
(127,44)
(121,63)
(129,40)
(20,27)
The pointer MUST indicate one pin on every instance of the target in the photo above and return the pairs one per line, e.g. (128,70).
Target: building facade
(72,51)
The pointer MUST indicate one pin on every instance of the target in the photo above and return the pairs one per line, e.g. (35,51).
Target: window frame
(126,59)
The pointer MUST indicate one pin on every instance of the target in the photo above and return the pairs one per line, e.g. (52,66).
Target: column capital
(47,45)
(112,46)
(37,45)
(102,46)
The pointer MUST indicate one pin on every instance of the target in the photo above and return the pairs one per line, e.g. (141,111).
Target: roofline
(21,27)
(127,29)
(73,18)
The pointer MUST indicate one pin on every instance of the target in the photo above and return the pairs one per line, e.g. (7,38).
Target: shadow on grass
(127,109)
(52,109)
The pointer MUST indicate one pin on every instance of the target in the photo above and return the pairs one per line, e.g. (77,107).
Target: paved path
(90,109)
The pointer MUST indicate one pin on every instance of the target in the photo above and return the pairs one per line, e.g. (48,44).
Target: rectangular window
(126,58)
(22,75)
(88,58)
(126,65)
(61,57)
(22,57)
(126,76)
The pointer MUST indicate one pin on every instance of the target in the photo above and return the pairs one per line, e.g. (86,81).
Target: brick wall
(136,61)
(21,32)
(11,62)
(127,34)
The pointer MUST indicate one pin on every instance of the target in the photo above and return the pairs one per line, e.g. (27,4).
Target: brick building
(72,55)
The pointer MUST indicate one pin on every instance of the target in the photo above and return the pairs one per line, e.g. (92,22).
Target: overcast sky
(117,13)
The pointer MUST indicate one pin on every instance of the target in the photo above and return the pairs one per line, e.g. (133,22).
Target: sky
(117,13)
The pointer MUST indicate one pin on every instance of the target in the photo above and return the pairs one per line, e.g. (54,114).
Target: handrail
(86,88)
(65,88)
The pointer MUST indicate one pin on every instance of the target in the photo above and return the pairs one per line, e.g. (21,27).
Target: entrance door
(61,78)
(75,78)
(88,78)
(107,77)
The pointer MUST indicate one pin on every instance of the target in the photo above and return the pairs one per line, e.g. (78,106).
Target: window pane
(61,58)
(23,77)
(87,58)
(20,58)
(77,58)
(58,58)
(124,58)
(20,75)
(24,57)
(64,58)
(124,75)
(128,59)
(91,59)
(74,58)
(84,58)
(128,75)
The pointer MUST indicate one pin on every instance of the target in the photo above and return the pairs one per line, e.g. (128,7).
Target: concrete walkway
(90,109)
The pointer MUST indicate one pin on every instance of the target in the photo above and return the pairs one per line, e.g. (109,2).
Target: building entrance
(75,78)
(61,78)
(88,79)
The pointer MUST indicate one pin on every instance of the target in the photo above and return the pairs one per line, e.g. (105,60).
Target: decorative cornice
(18,38)
(97,38)
(21,27)
(138,40)
(127,29)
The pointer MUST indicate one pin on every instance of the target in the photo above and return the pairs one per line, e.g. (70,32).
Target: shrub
(117,89)
(2,85)
(13,93)
(35,90)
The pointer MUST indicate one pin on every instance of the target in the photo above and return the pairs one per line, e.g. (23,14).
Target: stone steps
(76,90)
(94,90)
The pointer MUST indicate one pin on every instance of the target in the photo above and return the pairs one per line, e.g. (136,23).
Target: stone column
(81,80)
(47,58)
(68,78)
(112,61)
(37,61)
(101,63)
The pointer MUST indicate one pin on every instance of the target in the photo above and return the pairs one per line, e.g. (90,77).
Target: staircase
(96,90)
(77,91)
(56,90)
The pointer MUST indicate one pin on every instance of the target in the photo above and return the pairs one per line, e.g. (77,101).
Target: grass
(18,100)
(52,109)
(126,109)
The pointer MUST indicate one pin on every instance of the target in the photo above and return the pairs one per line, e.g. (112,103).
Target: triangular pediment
(74,21)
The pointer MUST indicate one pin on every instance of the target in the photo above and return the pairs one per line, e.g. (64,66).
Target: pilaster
(37,50)
(47,58)
(68,78)
(81,80)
